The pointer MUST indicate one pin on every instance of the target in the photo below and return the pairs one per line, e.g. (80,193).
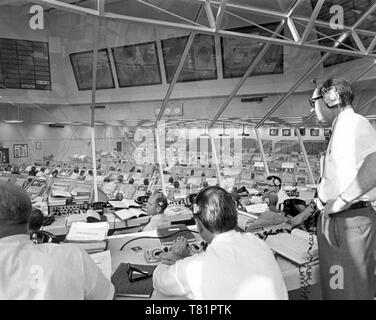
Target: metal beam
(209,14)
(311,21)
(250,69)
(305,156)
(168,12)
(203,30)
(294,32)
(280,15)
(372,45)
(216,161)
(176,76)
(358,42)
(295,6)
(363,17)
(262,151)
(220,12)
(299,82)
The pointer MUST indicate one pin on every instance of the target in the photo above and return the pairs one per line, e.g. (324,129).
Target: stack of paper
(88,232)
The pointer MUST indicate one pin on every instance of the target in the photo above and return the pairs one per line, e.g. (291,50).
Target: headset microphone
(331,97)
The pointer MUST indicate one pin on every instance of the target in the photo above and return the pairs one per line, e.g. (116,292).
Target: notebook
(169,234)
(125,288)
(125,214)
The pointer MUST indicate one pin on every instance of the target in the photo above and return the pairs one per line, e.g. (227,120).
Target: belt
(356,205)
(359,205)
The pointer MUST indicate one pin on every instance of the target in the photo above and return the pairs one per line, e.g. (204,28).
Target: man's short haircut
(274,179)
(161,200)
(36,219)
(217,209)
(343,88)
(15,204)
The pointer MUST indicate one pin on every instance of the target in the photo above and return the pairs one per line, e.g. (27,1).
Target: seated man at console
(42,271)
(275,185)
(155,207)
(235,265)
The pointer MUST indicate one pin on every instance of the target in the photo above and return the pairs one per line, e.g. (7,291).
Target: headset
(331,97)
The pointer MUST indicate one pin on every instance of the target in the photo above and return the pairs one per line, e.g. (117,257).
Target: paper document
(126,214)
(82,231)
(125,203)
(103,261)
(257,208)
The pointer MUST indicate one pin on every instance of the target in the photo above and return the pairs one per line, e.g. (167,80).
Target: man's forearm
(364,181)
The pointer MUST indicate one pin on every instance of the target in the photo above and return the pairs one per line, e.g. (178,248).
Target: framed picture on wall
(273,132)
(38,145)
(137,65)
(82,64)
(200,63)
(238,54)
(20,150)
(286,132)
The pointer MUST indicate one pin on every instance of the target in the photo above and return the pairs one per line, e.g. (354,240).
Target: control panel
(66,210)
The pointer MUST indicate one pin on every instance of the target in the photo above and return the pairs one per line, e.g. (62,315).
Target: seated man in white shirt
(234,266)
(42,271)
(155,207)
(275,185)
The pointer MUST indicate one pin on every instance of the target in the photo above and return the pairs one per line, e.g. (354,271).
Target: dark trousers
(347,244)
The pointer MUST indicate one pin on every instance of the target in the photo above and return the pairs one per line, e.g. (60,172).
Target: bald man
(49,271)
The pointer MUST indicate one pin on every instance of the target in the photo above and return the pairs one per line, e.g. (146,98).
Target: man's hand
(179,250)
(334,206)
(168,258)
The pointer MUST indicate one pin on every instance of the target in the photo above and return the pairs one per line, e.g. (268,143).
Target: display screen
(82,64)
(200,63)
(273,132)
(137,65)
(238,54)
(24,64)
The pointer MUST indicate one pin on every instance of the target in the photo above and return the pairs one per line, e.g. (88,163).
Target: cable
(151,237)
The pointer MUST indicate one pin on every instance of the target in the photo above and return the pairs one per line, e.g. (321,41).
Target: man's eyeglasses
(135,274)
(312,101)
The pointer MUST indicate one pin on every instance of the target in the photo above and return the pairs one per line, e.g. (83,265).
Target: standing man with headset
(346,225)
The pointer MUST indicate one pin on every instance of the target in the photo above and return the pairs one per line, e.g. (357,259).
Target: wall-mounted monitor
(327,132)
(273,132)
(82,64)
(201,59)
(24,64)
(238,54)
(314,132)
(137,65)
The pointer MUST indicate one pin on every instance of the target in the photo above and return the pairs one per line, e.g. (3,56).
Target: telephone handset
(190,199)
(141,200)
(42,237)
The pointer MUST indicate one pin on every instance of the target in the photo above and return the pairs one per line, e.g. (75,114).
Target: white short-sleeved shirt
(49,271)
(157,221)
(234,266)
(353,139)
